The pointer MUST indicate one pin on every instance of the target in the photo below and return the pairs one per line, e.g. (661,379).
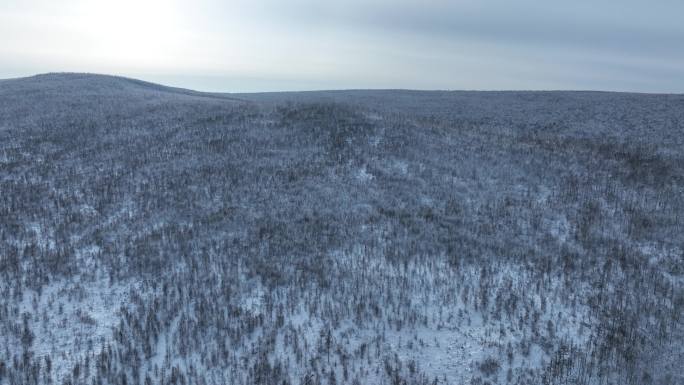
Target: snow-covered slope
(156,235)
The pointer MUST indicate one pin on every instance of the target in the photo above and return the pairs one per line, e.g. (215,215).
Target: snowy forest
(154,235)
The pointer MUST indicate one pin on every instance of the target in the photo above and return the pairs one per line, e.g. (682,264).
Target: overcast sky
(252,45)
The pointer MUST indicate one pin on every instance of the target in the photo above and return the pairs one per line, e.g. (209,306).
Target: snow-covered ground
(72,318)
(156,235)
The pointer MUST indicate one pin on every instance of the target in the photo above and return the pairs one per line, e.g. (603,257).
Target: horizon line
(350,89)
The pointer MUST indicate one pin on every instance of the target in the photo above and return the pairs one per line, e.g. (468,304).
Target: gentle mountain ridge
(150,235)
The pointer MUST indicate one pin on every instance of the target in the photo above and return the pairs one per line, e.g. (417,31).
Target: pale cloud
(303,44)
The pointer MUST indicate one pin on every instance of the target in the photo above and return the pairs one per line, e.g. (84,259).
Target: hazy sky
(253,45)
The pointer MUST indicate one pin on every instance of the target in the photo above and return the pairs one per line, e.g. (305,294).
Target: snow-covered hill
(157,235)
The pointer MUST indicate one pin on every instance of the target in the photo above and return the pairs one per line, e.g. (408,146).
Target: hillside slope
(156,235)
